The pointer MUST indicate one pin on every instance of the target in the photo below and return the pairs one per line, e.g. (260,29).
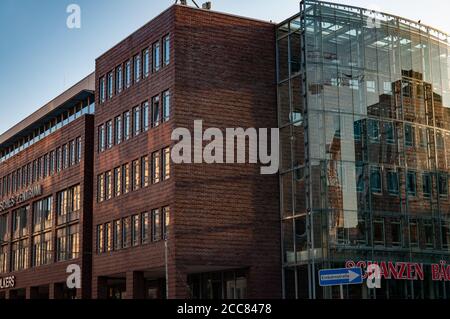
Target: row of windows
(68,207)
(413,135)
(51,163)
(396,232)
(86,107)
(42,252)
(135,69)
(132,123)
(131,231)
(132,176)
(412,186)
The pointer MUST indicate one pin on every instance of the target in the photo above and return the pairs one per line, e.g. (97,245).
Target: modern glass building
(364,111)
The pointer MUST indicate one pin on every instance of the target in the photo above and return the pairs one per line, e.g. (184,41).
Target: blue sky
(40,57)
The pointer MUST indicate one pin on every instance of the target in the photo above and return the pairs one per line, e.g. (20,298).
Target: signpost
(340,277)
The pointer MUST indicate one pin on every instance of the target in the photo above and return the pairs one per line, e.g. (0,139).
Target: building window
(374,130)
(137,68)
(43,214)
(72,151)
(165,164)
(42,249)
(156,57)
(4,228)
(126,126)
(378,232)
(392,182)
(126,232)
(414,233)
(429,233)
(101,138)
(110,85)
(102,90)
(156,167)
(166,106)
(145,166)
(69,205)
(411,183)
(134,230)
(127,74)
(409,135)
(65,156)
(445,230)
(44,170)
(108,185)
(440,144)
(20,255)
(108,237)
(166,222)
(117,235)
(357,130)
(136,121)
(375,179)
(426,185)
(443,184)
(119,79)
(136,173)
(389,132)
(58,161)
(51,167)
(100,188)
(126,178)
(68,243)
(20,222)
(156,225)
(79,149)
(155,111)
(145,116)
(100,239)
(145,230)
(166,50)
(117,181)
(4,258)
(109,134)
(118,130)
(146,62)
(396,233)
(423,137)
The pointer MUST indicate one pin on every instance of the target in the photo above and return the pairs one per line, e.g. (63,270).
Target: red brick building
(103,193)
(221,221)
(46,198)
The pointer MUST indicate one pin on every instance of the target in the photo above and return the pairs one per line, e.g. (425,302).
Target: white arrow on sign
(352,275)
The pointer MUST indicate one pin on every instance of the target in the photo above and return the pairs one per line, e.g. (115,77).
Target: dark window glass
(426,184)
(375,179)
(392,181)
(156,112)
(409,135)
(411,183)
(443,184)
(389,132)
(156,225)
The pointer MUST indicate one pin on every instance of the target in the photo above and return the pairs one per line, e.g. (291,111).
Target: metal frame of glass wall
(364,117)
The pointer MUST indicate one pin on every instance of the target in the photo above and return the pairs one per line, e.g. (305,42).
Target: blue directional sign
(338,277)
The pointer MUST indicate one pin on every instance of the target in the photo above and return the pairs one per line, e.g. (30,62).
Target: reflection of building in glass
(364,112)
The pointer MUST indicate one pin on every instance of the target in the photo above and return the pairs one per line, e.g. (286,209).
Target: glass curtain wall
(364,108)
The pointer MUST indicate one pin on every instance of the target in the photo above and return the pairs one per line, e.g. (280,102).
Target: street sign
(339,277)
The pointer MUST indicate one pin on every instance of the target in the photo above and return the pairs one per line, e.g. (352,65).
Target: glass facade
(364,110)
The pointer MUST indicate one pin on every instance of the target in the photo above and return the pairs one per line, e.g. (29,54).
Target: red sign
(404,270)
